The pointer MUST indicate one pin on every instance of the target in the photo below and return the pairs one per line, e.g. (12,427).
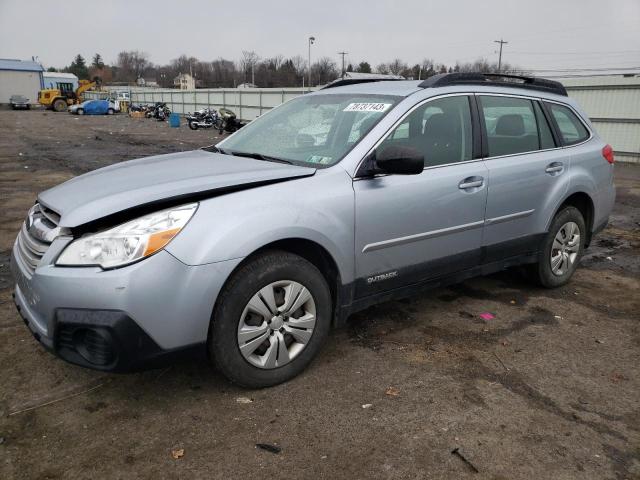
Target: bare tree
(131,65)
(427,68)
(248,62)
(484,65)
(276,71)
(324,71)
(383,69)
(300,65)
(397,67)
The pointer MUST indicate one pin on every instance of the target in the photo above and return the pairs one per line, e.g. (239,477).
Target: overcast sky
(542,34)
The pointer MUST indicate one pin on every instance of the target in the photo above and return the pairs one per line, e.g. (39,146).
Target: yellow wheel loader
(59,99)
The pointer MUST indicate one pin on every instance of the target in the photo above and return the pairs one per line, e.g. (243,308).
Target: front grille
(36,234)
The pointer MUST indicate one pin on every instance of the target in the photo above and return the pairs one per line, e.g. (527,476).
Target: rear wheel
(193,125)
(59,105)
(562,249)
(271,320)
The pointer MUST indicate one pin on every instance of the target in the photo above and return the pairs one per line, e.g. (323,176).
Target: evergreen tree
(97,61)
(364,67)
(78,67)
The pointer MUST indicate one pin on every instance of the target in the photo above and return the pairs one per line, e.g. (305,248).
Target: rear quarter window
(572,130)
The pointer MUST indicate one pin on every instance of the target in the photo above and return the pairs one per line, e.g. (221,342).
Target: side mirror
(400,160)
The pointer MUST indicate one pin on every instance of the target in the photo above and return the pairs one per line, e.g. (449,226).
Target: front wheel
(270,321)
(562,249)
(80,111)
(111,111)
(59,105)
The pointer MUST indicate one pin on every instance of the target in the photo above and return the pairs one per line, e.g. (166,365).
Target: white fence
(612,103)
(247,103)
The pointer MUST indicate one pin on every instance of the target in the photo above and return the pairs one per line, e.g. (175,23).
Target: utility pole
(311,40)
(343,55)
(501,42)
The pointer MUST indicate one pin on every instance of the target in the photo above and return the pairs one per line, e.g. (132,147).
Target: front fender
(318,209)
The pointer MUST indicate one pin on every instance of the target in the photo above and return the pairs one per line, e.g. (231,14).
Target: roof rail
(494,79)
(341,82)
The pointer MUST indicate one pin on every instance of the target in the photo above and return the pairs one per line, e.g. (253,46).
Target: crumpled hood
(136,183)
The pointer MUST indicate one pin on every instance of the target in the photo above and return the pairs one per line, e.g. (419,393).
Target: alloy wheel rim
(276,324)
(565,248)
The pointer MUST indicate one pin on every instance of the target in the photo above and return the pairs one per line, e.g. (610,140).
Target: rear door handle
(471,182)
(554,168)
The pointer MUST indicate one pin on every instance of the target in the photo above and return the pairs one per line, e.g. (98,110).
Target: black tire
(264,269)
(541,272)
(80,111)
(193,125)
(111,111)
(59,105)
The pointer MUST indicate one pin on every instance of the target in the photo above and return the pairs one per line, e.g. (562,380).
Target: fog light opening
(95,345)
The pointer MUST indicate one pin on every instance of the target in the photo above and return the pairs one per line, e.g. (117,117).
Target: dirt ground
(549,388)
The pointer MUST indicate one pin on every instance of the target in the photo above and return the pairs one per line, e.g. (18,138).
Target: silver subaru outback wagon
(250,250)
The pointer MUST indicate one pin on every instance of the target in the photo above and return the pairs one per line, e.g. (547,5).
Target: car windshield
(311,130)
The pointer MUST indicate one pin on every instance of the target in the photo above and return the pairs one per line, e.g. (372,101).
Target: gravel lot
(550,388)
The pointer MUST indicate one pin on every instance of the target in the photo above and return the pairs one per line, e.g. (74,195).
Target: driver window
(440,130)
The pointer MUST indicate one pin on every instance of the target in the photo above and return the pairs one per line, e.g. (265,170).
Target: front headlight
(128,242)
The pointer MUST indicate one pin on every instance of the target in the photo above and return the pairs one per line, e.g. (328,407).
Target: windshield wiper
(259,156)
(216,149)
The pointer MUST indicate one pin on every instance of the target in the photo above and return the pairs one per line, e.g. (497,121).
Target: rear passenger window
(439,129)
(510,124)
(571,128)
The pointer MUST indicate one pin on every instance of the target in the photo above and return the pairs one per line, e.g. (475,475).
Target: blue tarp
(96,107)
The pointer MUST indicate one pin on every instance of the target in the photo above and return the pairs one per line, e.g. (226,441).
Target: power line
(612,52)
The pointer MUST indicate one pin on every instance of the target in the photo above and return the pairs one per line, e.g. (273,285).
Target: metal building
(60,80)
(613,105)
(20,77)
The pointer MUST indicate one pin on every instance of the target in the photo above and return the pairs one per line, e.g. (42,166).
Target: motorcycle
(159,111)
(204,118)
(230,122)
(134,107)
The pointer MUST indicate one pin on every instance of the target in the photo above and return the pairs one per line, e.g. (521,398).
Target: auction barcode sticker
(367,107)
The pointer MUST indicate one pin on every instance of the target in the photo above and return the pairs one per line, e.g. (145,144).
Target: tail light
(607,153)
